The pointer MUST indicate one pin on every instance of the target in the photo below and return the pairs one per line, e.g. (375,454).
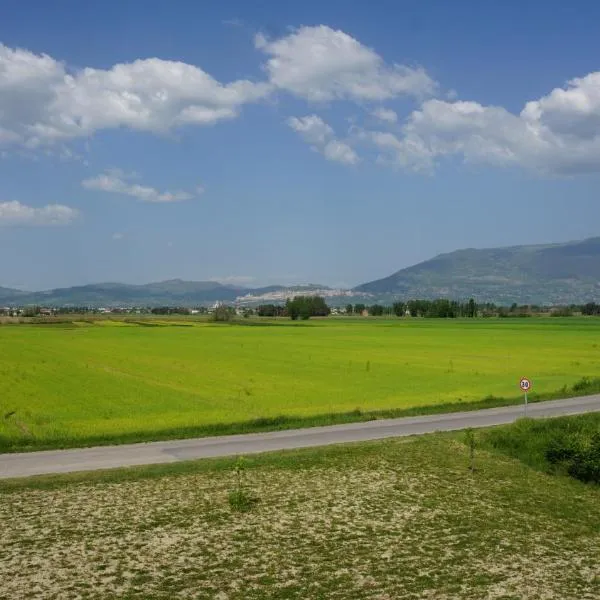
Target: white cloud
(557,134)
(116,182)
(340,152)
(41,101)
(118,236)
(385,114)
(574,111)
(15,213)
(323,64)
(312,128)
(321,138)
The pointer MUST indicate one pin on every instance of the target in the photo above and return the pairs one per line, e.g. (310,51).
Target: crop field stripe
(96,383)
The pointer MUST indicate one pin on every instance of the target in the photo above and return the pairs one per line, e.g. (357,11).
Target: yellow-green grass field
(85,383)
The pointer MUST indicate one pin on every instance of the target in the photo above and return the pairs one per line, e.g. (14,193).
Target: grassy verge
(27,442)
(390,519)
(551,445)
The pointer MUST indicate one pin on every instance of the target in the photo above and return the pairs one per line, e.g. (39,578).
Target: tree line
(304,307)
(440,308)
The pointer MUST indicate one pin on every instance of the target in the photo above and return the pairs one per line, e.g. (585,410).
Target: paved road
(108,457)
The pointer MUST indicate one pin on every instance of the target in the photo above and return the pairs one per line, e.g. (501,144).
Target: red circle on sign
(525,384)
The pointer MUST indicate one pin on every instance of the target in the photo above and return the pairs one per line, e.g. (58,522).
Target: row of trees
(271,310)
(300,307)
(441,308)
(591,308)
(170,310)
(304,307)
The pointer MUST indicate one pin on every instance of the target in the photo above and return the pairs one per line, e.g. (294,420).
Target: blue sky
(290,142)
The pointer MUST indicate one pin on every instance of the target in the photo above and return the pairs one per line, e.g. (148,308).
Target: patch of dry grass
(393,519)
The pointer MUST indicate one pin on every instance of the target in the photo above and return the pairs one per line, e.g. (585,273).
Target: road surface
(109,457)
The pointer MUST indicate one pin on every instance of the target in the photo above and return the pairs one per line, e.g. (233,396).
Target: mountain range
(174,292)
(535,274)
(541,274)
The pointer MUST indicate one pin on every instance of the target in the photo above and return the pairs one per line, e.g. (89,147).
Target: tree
(31,311)
(419,308)
(358,308)
(349,309)
(399,309)
(304,307)
(471,308)
(591,308)
(376,310)
(267,310)
(223,313)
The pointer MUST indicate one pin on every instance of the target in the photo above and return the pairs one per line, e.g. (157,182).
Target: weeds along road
(109,457)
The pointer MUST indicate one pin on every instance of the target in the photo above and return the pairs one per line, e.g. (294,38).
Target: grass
(529,439)
(399,518)
(99,382)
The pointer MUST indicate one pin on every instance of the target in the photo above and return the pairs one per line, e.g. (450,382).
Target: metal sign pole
(525,385)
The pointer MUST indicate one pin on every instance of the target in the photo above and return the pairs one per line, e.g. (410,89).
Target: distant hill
(541,274)
(174,292)
(9,293)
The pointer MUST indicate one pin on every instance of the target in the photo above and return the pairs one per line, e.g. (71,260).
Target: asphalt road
(109,457)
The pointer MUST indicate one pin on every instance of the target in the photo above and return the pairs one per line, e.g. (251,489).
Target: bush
(568,445)
(560,451)
(585,462)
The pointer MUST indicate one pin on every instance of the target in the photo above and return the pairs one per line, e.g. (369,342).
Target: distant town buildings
(290,293)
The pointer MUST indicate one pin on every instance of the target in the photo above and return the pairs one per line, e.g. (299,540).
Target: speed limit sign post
(525,385)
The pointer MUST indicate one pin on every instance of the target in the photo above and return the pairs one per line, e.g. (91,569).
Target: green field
(77,384)
(401,518)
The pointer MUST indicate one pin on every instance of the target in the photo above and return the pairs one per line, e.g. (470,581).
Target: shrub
(560,450)
(240,498)
(568,445)
(585,463)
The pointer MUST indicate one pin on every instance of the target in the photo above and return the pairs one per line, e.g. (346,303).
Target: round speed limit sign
(525,384)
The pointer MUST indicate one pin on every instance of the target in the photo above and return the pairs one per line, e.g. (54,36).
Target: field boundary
(584,387)
(172,451)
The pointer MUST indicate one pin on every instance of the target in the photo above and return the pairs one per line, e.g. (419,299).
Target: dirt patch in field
(399,521)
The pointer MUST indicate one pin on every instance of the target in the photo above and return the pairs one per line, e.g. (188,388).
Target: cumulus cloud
(385,114)
(116,182)
(321,137)
(41,101)
(323,64)
(556,134)
(17,214)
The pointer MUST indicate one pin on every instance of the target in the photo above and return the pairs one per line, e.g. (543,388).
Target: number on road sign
(525,384)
